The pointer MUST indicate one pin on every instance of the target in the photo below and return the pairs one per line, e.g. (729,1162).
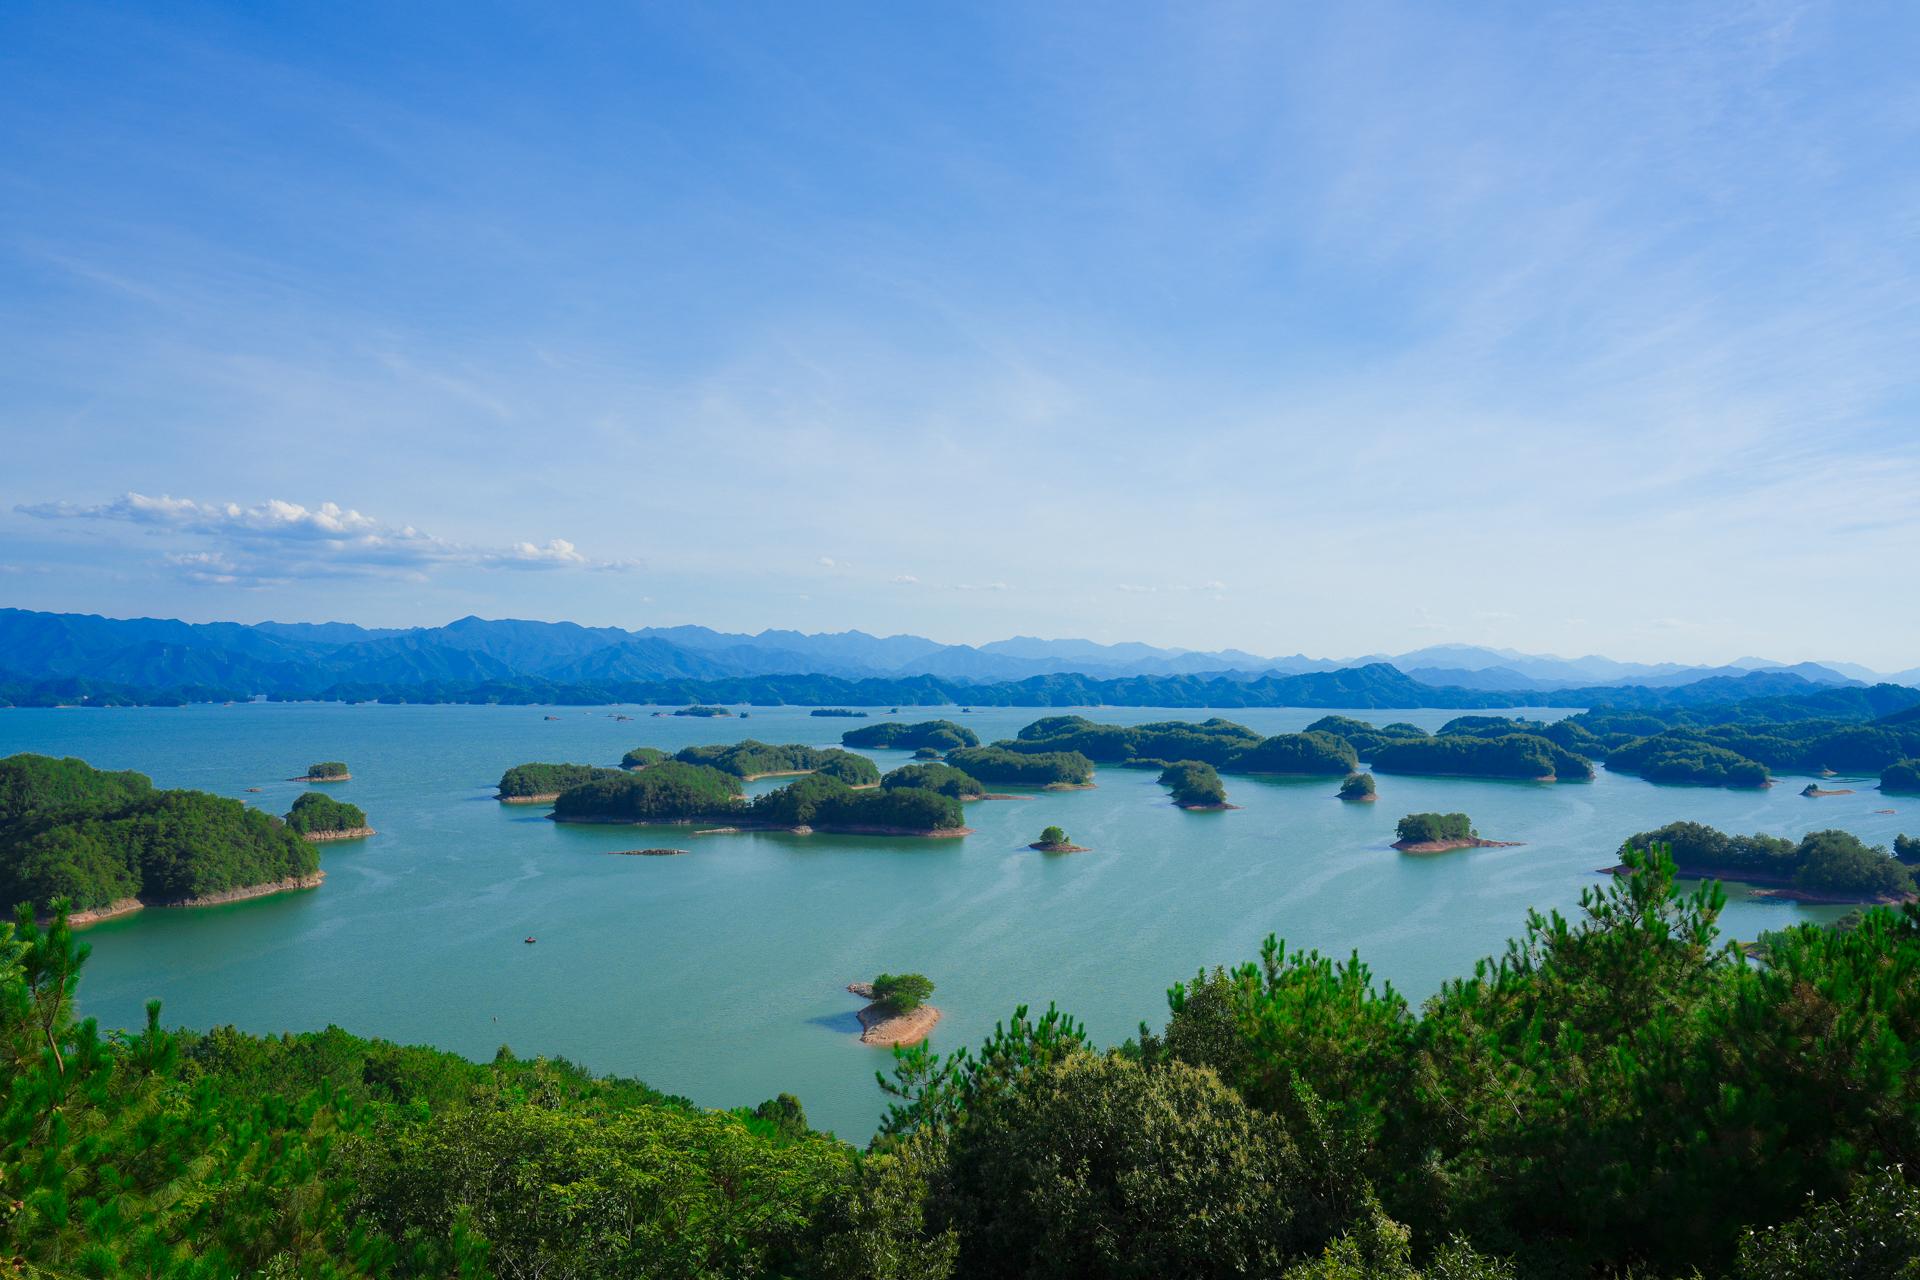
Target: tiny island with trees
(318,819)
(897,1012)
(1195,785)
(1056,840)
(1359,788)
(325,771)
(112,843)
(1441,833)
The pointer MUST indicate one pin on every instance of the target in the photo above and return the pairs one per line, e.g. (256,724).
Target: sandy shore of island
(545,797)
(879,1026)
(1447,846)
(1060,848)
(127,906)
(349,833)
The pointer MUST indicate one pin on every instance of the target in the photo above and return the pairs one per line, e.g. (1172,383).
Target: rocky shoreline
(308,777)
(1060,848)
(545,797)
(348,833)
(648,853)
(127,906)
(1447,846)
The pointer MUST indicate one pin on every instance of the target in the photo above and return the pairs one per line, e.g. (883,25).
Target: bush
(902,992)
(1873,1233)
(1837,862)
(1053,836)
(1358,786)
(1424,828)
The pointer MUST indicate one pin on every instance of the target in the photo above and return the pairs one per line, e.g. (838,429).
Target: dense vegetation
(1513,755)
(642,757)
(68,831)
(1021,768)
(1358,786)
(1313,753)
(1364,737)
(671,791)
(1744,749)
(1195,785)
(1828,863)
(1678,756)
(327,769)
(902,992)
(941,735)
(1617,1091)
(1217,742)
(1907,849)
(317,814)
(703,711)
(750,759)
(827,804)
(1053,837)
(1428,828)
(943,778)
(525,780)
(1901,775)
(842,713)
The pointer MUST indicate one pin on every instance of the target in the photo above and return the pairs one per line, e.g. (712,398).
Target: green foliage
(703,712)
(1194,785)
(1826,862)
(927,753)
(94,838)
(1313,753)
(838,713)
(941,735)
(1094,1166)
(671,791)
(1901,776)
(1358,786)
(827,804)
(1873,1233)
(327,769)
(1422,828)
(902,992)
(1364,738)
(1516,755)
(751,759)
(548,779)
(316,812)
(997,764)
(642,758)
(943,778)
(1212,741)
(1907,849)
(1681,756)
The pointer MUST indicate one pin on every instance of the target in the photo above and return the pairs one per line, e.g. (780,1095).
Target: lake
(721,975)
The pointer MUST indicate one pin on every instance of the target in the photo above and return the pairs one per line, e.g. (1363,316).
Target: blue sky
(1339,328)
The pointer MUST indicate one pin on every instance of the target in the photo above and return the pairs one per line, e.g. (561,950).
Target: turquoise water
(720,975)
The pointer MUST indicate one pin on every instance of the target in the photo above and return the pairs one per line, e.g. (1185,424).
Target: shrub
(902,992)
(314,812)
(1358,786)
(1053,836)
(1423,828)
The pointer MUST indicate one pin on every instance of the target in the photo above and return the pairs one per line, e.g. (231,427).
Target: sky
(1331,329)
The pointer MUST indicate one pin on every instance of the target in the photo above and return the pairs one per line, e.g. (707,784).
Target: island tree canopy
(314,813)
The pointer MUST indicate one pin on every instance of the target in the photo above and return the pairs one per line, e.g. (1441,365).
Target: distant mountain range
(319,659)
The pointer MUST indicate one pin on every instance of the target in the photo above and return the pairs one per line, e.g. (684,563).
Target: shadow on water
(846,1024)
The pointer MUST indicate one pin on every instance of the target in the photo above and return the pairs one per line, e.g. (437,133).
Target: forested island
(939,735)
(1195,785)
(1825,866)
(325,771)
(841,713)
(1056,840)
(1217,742)
(1514,755)
(703,712)
(318,819)
(942,778)
(1441,833)
(749,760)
(1275,1105)
(1359,787)
(677,791)
(1901,776)
(642,757)
(111,843)
(543,783)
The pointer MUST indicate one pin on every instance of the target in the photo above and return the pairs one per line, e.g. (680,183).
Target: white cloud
(981,586)
(905,580)
(1135,588)
(278,541)
(827,562)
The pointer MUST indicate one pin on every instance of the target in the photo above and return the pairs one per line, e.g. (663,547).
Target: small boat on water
(531,939)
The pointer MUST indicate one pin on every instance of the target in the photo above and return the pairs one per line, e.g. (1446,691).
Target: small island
(1521,756)
(1053,770)
(941,778)
(703,712)
(325,771)
(642,758)
(1683,756)
(318,819)
(679,791)
(1906,850)
(1054,840)
(943,735)
(898,1013)
(1195,785)
(1825,866)
(111,843)
(647,853)
(928,753)
(1902,776)
(1813,789)
(840,713)
(1359,788)
(1441,833)
(543,783)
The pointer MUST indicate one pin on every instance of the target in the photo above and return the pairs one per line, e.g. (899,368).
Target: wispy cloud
(278,541)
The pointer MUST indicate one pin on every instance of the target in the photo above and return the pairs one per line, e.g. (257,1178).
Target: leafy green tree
(1358,786)
(902,992)
(314,812)
(1053,837)
(1426,828)
(1872,1233)
(1902,776)
(327,769)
